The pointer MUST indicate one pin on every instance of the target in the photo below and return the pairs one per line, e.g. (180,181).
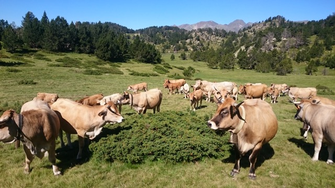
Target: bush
(324,90)
(161,70)
(166,136)
(134,73)
(27,82)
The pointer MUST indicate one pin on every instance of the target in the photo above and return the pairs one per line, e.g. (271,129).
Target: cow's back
(260,119)
(154,98)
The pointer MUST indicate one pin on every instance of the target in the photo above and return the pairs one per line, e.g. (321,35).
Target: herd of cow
(251,123)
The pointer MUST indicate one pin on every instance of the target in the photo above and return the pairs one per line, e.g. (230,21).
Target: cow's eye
(224,111)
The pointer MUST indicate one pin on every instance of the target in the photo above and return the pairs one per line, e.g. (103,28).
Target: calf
(91,100)
(137,87)
(195,98)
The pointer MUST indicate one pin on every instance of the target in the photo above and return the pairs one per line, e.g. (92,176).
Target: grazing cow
(37,128)
(252,91)
(301,93)
(91,100)
(220,96)
(140,102)
(137,87)
(195,98)
(321,119)
(185,89)
(282,88)
(174,85)
(116,98)
(84,120)
(47,97)
(251,123)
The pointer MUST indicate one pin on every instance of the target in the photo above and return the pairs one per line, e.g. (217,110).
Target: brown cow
(282,88)
(252,123)
(302,93)
(274,94)
(195,98)
(252,91)
(84,120)
(321,119)
(151,99)
(91,100)
(36,128)
(137,87)
(47,97)
(174,85)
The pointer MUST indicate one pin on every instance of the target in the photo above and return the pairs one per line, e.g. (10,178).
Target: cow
(195,98)
(301,93)
(252,91)
(210,87)
(48,97)
(274,93)
(321,119)
(220,96)
(140,102)
(314,100)
(174,85)
(37,128)
(137,87)
(282,88)
(116,98)
(91,100)
(251,124)
(85,120)
(185,89)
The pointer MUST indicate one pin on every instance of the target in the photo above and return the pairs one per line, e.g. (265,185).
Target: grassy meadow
(285,162)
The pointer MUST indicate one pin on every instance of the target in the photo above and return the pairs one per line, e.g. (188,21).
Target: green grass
(286,162)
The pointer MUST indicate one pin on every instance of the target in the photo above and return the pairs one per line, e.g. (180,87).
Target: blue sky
(139,14)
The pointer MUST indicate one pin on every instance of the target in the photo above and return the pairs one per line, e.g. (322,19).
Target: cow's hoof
(234,172)
(252,176)
(330,162)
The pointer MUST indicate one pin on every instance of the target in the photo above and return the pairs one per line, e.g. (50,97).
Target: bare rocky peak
(233,26)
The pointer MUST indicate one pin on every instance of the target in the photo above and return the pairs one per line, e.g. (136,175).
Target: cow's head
(8,127)
(110,114)
(227,116)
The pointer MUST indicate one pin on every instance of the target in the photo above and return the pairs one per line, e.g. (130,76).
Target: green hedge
(166,136)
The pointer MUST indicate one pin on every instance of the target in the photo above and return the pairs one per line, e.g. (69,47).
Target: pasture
(285,162)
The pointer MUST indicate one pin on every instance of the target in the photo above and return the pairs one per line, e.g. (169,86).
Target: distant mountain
(233,26)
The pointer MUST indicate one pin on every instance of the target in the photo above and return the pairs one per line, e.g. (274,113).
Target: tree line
(108,41)
(269,46)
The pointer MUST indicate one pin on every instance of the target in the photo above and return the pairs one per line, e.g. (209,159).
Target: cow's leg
(61,138)
(253,160)
(29,158)
(237,166)
(52,159)
(317,145)
(331,149)
(81,143)
(120,105)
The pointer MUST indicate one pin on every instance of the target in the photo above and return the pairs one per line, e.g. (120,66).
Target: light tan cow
(302,93)
(210,88)
(251,123)
(282,88)
(37,128)
(140,102)
(274,93)
(195,98)
(116,98)
(137,87)
(85,120)
(91,100)
(252,91)
(321,119)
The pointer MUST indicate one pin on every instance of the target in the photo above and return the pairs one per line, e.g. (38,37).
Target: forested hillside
(273,45)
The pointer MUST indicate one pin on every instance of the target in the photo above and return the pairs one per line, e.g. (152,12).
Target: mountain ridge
(234,26)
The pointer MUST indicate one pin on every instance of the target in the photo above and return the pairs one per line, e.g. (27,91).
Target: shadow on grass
(68,156)
(308,148)
(266,153)
(10,64)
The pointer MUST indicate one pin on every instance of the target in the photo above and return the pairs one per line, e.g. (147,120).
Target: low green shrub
(13,70)
(161,70)
(324,90)
(134,73)
(166,136)
(27,82)
(69,62)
